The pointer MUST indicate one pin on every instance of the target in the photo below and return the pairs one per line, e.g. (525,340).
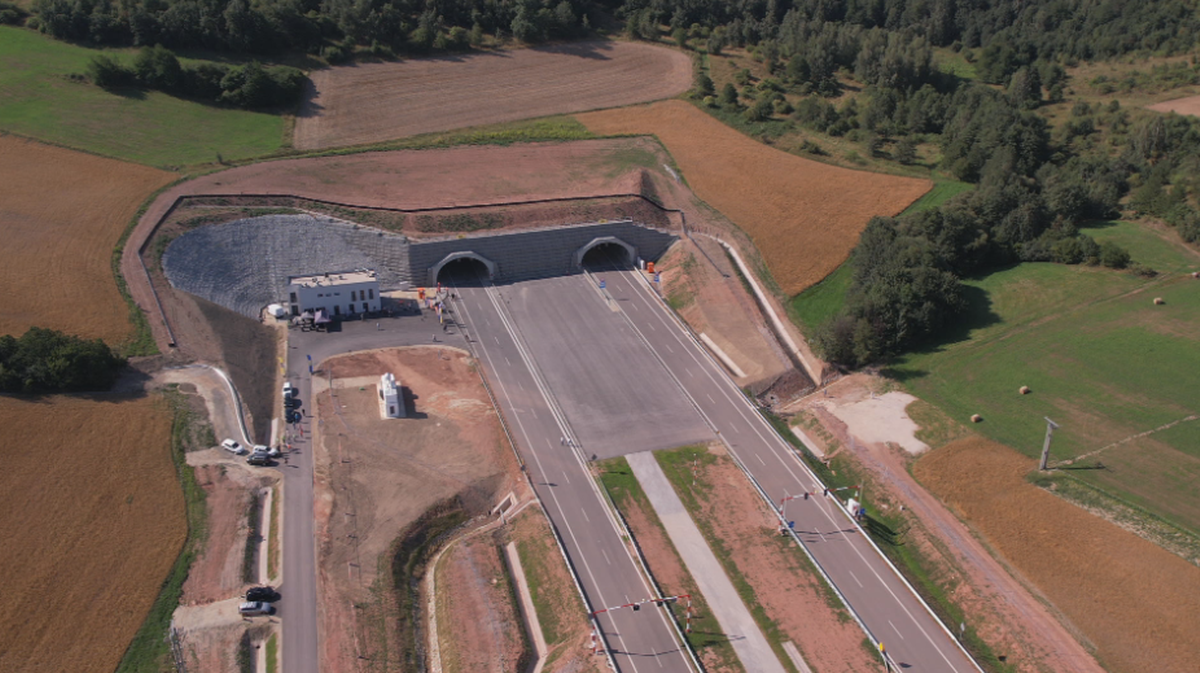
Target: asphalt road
(641,640)
(913,638)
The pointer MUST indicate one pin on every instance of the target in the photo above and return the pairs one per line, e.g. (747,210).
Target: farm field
(804,216)
(1102,360)
(41,100)
(90,532)
(62,213)
(1119,590)
(1183,106)
(373,102)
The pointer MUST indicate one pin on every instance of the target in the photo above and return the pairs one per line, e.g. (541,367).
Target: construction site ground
(374,477)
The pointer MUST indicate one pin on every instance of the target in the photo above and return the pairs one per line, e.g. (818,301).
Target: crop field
(804,216)
(1122,592)
(373,102)
(41,98)
(61,213)
(93,520)
(1102,360)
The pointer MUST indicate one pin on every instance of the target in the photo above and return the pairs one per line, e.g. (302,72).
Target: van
(259,458)
(253,608)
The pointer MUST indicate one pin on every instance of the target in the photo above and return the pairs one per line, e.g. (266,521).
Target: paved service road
(914,639)
(641,641)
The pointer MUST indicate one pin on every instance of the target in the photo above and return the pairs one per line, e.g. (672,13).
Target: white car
(253,608)
(289,390)
(233,446)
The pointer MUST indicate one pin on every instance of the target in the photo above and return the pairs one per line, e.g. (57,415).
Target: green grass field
(38,98)
(1102,361)
(820,303)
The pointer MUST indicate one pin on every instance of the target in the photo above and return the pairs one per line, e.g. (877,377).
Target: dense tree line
(48,361)
(248,86)
(328,27)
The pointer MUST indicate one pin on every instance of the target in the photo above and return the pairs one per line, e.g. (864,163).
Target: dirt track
(804,216)
(1183,106)
(373,102)
(1124,593)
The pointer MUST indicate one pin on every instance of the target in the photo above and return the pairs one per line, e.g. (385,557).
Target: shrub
(48,361)
(1113,256)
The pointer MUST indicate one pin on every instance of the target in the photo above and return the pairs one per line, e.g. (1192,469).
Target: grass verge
(149,651)
(706,638)
(273,542)
(272,654)
(253,538)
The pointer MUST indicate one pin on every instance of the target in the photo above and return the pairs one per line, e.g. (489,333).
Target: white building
(346,294)
(391,402)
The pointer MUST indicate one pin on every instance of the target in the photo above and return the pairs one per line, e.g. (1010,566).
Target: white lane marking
(669,348)
(497,342)
(605,553)
(896,630)
(585,516)
(507,361)
(565,476)
(760,459)
(710,399)
(855,578)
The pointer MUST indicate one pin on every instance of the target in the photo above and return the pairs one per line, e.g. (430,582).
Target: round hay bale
(976,418)
(1159,301)
(1025,390)
(1196,274)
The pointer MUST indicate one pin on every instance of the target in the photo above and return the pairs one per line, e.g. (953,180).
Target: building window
(353,295)
(294,298)
(349,308)
(370,294)
(365,309)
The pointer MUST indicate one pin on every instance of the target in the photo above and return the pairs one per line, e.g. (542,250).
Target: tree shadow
(977,314)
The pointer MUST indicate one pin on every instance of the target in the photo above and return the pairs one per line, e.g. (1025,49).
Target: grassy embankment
(150,650)
(706,638)
(1103,361)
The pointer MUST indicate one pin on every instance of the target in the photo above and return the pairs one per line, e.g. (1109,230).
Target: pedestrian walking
(377,326)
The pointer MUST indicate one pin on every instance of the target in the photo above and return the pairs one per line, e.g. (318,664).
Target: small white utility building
(340,294)
(391,402)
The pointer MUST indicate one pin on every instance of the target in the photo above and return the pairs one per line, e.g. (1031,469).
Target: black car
(259,458)
(293,416)
(265,594)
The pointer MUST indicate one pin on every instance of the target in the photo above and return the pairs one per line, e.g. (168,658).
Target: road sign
(601,283)
(657,277)
(310,358)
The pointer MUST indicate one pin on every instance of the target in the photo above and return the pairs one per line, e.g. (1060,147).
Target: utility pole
(1050,427)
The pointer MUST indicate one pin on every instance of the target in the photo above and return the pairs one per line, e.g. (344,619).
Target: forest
(48,361)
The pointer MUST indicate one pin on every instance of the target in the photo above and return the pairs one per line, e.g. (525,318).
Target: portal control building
(343,293)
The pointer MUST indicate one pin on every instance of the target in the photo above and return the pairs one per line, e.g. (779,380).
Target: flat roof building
(339,294)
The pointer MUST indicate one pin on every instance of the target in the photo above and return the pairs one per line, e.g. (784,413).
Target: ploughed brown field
(804,216)
(373,102)
(1138,604)
(61,213)
(1183,106)
(93,519)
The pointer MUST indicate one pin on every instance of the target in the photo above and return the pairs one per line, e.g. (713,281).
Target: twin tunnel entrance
(468,268)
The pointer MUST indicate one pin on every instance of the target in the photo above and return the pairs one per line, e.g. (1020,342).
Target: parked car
(293,416)
(289,391)
(274,452)
(233,446)
(261,594)
(252,608)
(259,458)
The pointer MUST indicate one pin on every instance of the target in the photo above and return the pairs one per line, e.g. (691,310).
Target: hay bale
(1196,274)
(1025,390)
(976,418)
(1159,301)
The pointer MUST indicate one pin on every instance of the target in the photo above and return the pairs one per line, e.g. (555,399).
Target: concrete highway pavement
(891,612)
(638,640)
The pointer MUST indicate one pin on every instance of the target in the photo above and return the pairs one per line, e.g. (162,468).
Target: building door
(337,310)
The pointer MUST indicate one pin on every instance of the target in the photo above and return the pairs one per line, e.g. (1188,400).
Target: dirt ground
(374,476)
(1122,592)
(58,210)
(789,592)
(372,102)
(479,624)
(1183,106)
(804,216)
(93,522)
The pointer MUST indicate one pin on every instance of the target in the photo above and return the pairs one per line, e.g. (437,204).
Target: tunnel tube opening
(463,272)
(607,256)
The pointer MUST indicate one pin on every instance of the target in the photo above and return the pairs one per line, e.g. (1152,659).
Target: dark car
(263,594)
(259,458)
(293,416)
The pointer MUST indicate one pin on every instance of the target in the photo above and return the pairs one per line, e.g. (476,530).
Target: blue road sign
(602,284)
(310,358)
(657,277)
(310,370)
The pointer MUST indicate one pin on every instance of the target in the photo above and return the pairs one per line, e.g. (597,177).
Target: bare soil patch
(479,624)
(373,102)
(804,216)
(374,477)
(1122,592)
(93,522)
(784,584)
(1183,106)
(61,213)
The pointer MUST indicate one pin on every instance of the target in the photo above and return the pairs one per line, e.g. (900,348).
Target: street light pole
(1050,427)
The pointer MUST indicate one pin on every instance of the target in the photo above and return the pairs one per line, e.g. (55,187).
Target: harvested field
(1183,106)
(61,213)
(804,216)
(93,531)
(376,477)
(373,102)
(1122,592)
